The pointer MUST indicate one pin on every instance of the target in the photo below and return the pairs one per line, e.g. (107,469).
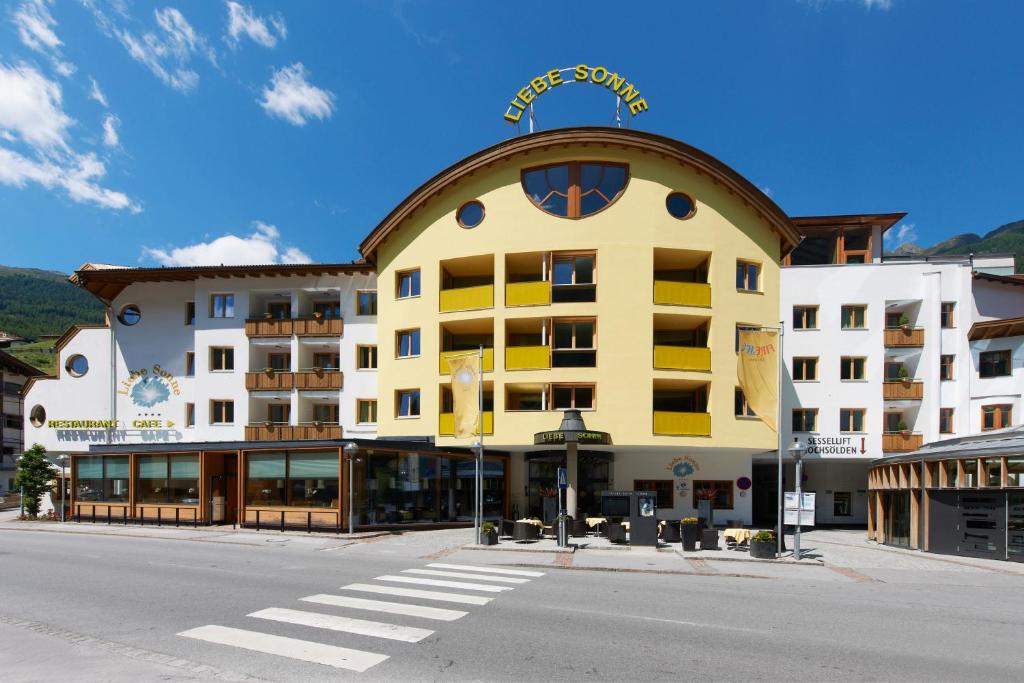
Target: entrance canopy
(572,430)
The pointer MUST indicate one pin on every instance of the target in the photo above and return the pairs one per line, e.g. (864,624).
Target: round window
(470,214)
(130,315)
(37,416)
(680,205)
(77,365)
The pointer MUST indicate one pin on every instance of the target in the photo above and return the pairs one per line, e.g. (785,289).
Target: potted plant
(691,532)
(762,545)
(268,370)
(488,534)
(318,314)
(705,509)
(903,428)
(904,374)
(904,322)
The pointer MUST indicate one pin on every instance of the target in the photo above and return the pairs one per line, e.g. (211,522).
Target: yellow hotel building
(604,270)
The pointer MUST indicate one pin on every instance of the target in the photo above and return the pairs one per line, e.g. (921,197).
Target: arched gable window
(575,189)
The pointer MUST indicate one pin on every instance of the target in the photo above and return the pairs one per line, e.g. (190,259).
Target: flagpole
(480,450)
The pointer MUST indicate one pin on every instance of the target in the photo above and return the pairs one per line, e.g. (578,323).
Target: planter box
(709,539)
(763,550)
(489,539)
(691,532)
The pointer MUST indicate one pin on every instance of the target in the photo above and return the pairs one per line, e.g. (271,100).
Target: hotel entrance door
(222,488)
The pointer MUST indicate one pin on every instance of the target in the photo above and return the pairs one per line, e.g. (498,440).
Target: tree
(35,476)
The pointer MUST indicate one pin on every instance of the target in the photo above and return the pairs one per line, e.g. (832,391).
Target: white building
(14,374)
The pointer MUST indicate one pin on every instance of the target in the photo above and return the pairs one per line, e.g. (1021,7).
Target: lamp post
(478,513)
(63,483)
(350,452)
(797,453)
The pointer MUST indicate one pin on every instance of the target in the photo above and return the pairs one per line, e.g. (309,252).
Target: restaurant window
(805,419)
(740,405)
(222,359)
(945,420)
(948,309)
(190,312)
(408,284)
(851,419)
(664,488)
(293,478)
(853,317)
(279,362)
(327,309)
(222,305)
(952,470)
(366,411)
(574,344)
(222,412)
(721,492)
(748,276)
(994,363)
(992,474)
(568,397)
(326,413)
(366,302)
(190,414)
(805,369)
(327,360)
(996,416)
(366,357)
(102,478)
(280,310)
(1015,471)
(970,473)
(170,479)
(946,367)
(575,189)
(407,343)
(279,413)
(805,317)
(851,368)
(573,278)
(407,402)
(841,504)
(190,363)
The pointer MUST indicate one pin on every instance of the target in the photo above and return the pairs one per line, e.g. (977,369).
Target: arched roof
(583,136)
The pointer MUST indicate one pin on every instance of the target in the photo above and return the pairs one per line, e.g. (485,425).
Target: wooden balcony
(269,327)
(682,424)
(445,355)
(682,358)
(898,442)
(275,432)
(446,423)
(682,293)
(527,357)
(902,391)
(896,337)
(319,379)
(318,327)
(269,381)
(467,298)
(527,293)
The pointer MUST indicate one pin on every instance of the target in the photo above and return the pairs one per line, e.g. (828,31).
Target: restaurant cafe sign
(581,73)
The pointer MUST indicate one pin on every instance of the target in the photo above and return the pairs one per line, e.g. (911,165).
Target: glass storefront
(296,479)
(594,470)
(102,479)
(168,479)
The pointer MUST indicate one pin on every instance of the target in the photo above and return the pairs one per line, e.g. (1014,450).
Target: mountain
(1007,238)
(40,302)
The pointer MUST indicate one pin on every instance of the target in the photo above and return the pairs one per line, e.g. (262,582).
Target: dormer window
(575,189)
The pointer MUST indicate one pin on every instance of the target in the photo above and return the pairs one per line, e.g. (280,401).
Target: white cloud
(242,21)
(901,234)
(76,174)
(110,124)
(262,246)
(291,97)
(880,4)
(97,94)
(31,107)
(36,31)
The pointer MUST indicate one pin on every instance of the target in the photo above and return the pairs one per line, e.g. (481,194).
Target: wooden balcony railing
(682,293)
(445,355)
(446,423)
(682,358)
(286,327)
(899,390)
(898,442)
(269,327)
(671,423)
(467,298)
(527,358)
(319,327)
(273,380)
(276,432)
(319,379)
(527,293)
(897,337)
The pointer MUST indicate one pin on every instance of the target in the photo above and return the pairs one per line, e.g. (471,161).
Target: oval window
(470,214)
(575,189)
(38,416)
(130,315)
(680,205)
(77,365)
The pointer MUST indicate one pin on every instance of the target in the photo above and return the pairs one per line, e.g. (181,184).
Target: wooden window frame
(190,313)
(951,413)
(286,355)
(398,283)
(863,420)
(190,364)
(371,350)
(1003,352)
(659,487)
(720,486)
(852,360)
(190,415)
(224,402)
(222,349)
(286,407)
(336,356)
(398,404)
(947,360)
(574,322)
(997,412)
(398,342)
(740,399)
(335,413)
(804,361)
(555,256)
(844,254)
(366,401)
(842,310)
(572,386)
(885,421)
(330,303)
(801,311)
(574,195)
(803,423)
(947,308)
(213,299)
(359,308)
(285,306)
(746,289)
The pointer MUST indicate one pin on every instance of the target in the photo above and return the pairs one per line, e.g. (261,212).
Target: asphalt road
(112,608)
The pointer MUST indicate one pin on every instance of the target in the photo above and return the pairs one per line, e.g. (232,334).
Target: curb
(558,551)
(196,534)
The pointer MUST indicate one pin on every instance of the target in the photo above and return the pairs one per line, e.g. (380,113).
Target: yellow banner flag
(759,373)
(465,371)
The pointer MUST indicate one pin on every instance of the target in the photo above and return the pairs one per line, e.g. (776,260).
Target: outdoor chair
(670,533)
(616,532)
(508,528)
(524,531)
(579,528)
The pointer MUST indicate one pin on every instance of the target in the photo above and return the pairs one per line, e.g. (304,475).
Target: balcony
(528,293)
(527,357)
(274,380)
(902,391)
(467,298)
(672,293)
(682,358)
(898,337)
(446,423)
(899,442)
(681,277)
(445,355)
(269,327)
(670,423)
(467,284)
(268,431)
(318,327)
(318,379)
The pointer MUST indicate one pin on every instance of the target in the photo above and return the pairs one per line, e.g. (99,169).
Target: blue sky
(258,131)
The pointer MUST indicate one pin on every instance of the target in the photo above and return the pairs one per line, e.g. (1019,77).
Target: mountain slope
(1007,238)
(36,302)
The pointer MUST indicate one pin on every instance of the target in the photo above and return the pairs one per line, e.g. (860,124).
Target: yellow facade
(625,237)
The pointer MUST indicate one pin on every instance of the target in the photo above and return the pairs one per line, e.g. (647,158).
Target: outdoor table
(738,535)
(535,522)
(595,521)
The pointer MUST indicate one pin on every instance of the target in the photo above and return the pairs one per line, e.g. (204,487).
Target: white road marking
(443,584)
(331,622)
(414,593)
(293,648)
(486,570)
(386,607)
(465,575)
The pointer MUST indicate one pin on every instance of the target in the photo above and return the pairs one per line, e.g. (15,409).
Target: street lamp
(350,449)
(478,515)
(63,483)
(797,453)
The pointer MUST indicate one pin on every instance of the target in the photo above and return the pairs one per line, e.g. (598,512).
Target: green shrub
(765,536)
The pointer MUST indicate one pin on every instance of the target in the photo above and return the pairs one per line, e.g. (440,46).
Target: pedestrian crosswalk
(463,583)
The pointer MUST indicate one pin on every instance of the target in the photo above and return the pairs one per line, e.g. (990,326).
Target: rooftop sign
(598,75)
